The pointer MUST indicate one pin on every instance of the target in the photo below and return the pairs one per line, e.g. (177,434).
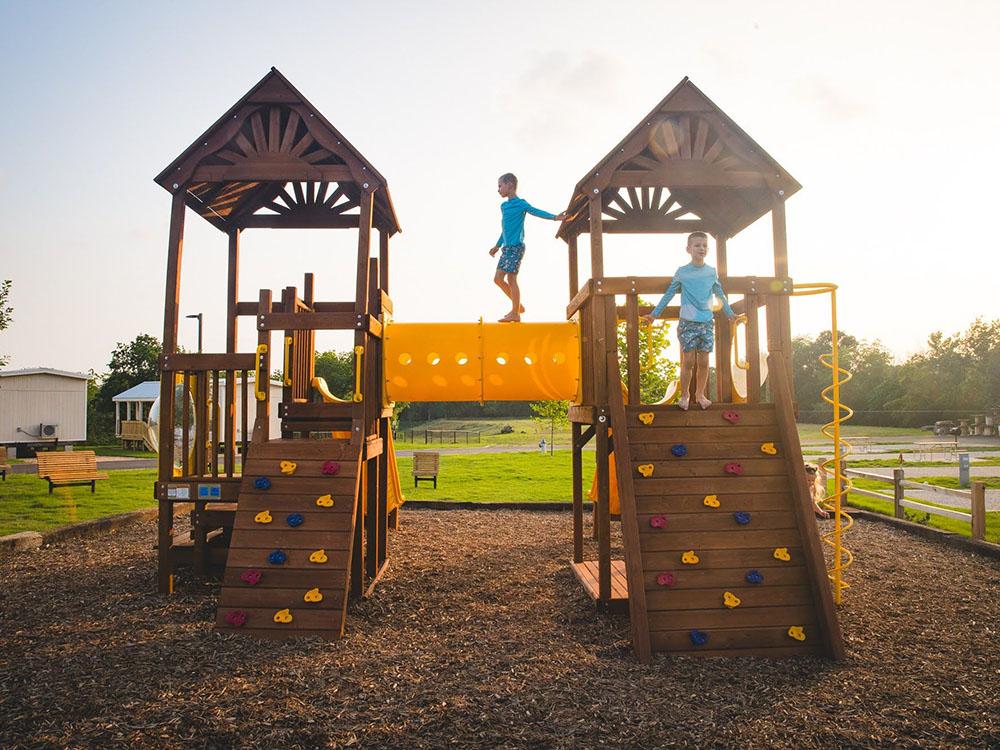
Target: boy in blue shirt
(697,282)
(511,242)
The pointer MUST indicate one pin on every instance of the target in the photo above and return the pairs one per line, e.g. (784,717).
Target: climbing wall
(730,565)
(287,573)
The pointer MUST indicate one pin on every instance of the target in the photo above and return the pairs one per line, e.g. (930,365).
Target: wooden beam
(361,299)
(317,321)
(190,362)
(652,223)
(281,171)
(596,240)
(581,297)
(300,219)
(681,173)
(574,272)
(612,285)
(383,261)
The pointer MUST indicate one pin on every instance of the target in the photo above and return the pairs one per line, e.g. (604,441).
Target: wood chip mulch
(480,637)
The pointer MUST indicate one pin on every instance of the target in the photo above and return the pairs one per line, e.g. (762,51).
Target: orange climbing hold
(769,449)
(283,616)
(313,595)
(647,417)
(690,558)
(288,467)
(263,517)
(712,501)
(781,553)
(731,600)
(797,632)
(319,557)
(646,469)
(324,501)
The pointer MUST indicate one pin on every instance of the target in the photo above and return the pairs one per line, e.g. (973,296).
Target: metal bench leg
(93,483)
(50,486)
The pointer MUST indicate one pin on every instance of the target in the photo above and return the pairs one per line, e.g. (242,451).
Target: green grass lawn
(26,505)
(884,507)
(116,450)
(813,433)
(499,477)
(526,432)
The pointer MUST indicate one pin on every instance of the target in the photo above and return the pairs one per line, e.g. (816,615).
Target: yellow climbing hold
(712,501)
(690,558)
(313,595)
(646,469)
(288,467)
(319,556)
(731,600)
(647,417)
(769,449)
(283,616)
(263,517)
(324,501)
(781,553)
(797,632)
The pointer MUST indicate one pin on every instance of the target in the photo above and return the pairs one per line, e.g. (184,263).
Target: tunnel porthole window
(558,358)
(462,359)
(433,358)
(529,359)
(405,359)
(502,358)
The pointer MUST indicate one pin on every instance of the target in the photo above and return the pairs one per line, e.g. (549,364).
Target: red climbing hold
(735,468)
(251,577)
(237,618)
(731,416)
(666,579)
(658,522)
(330,468)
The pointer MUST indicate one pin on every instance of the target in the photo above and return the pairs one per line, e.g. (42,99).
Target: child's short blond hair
(692,236)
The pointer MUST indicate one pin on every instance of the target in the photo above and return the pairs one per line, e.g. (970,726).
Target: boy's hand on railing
(560,217)
(647,319)
(493,250)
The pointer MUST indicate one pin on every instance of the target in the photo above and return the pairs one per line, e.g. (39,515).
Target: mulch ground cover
(479,637)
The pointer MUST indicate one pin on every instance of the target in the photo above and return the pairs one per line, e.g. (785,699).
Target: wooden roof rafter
(272,137)
(688,146)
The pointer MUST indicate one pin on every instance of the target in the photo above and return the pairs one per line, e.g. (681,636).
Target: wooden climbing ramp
(288,570)
(728,551)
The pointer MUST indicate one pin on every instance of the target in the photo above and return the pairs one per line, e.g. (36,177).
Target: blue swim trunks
(510,258)
(696,336)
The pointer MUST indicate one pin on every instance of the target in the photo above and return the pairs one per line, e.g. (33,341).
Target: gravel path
(479,637)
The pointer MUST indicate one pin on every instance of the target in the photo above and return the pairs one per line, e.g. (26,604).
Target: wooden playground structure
(721,550)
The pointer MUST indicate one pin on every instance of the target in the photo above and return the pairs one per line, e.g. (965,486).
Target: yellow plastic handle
(288,359)
(260,383)
(359,352)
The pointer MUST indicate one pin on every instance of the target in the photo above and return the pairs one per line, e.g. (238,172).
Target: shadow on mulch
(480,637)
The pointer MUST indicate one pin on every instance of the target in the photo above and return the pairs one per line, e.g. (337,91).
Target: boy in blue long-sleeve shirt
(511,242)
(697,282)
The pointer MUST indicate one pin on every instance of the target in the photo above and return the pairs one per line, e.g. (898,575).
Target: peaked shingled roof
(688,146)
(270,144)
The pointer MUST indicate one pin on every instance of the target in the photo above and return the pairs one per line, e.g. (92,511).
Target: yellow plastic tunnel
(482,361)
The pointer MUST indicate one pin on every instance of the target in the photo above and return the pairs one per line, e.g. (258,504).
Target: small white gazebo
(137,400)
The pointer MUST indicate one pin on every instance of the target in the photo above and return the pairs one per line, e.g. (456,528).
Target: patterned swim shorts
(510,258)
(695,336)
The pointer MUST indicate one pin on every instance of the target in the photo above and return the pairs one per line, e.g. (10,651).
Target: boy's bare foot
(520,309)
(704,403)
(510,318)
(683,402)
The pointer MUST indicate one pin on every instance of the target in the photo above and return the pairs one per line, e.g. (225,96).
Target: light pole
(198,316)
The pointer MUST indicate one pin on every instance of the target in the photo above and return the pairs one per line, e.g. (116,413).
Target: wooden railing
(599,323)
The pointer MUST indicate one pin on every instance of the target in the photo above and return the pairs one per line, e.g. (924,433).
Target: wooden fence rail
(976,496)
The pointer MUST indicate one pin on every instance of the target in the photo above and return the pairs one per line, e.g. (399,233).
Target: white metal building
(41,405)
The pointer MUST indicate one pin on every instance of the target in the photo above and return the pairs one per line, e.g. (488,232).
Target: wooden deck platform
(586,572)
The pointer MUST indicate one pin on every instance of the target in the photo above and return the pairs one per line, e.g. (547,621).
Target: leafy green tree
(131,364)
(656,372)
(549,414)
(6,312)
(337,368)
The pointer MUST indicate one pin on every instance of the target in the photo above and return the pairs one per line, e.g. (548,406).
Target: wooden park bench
(425,467)
(4,468)
(69,467)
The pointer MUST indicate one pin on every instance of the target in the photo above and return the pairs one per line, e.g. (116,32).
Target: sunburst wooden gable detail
(273,144)
(686,154)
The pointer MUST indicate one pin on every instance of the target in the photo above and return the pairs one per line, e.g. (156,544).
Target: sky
(886,113)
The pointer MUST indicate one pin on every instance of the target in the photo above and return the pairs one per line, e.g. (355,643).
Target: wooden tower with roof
(722,554)
(273,161)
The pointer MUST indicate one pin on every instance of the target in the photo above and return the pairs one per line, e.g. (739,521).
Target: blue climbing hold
(295,519)
(698,637)
(277,557)
(742,517)
(680,450)
(755,577)
(262,483)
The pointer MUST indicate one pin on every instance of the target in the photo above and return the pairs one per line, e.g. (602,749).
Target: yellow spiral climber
(842,521)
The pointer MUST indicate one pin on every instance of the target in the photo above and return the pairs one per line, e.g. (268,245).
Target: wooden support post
(288,295)
(361,297)
(603,516)
(574,266)
(262,422)
(383,260)
(753,349)
(780,236)
(165,522)
(308,289)
(596,240)
(232,330)
(978,511)
(897,493)
(721,261)
(632,347)
(357,562)
(577,493)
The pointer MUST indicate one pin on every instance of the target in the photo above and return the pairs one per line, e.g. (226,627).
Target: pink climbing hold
(666,579)
(658,522)
(735,468)
(251,577)
(731,416)
(237,618)
(330,468)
